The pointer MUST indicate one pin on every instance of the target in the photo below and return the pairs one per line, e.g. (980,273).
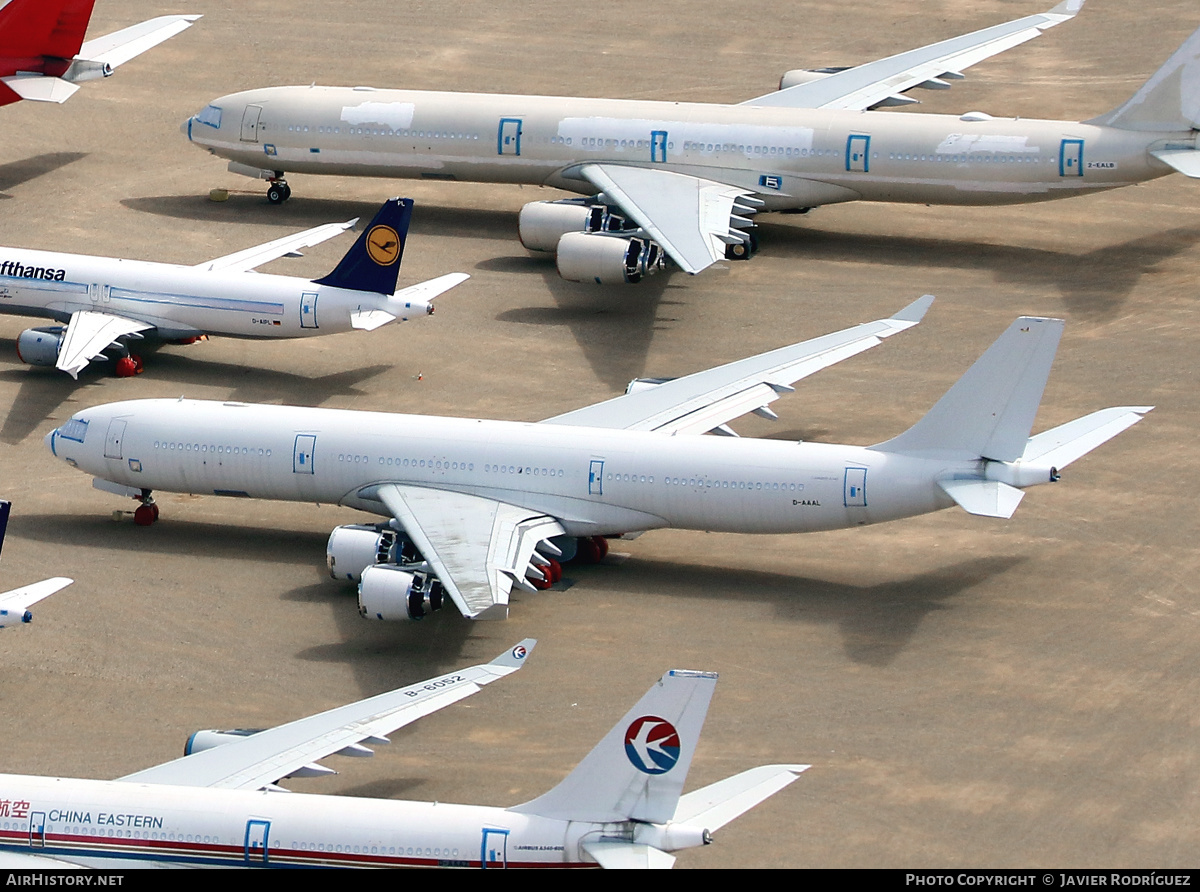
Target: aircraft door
(858,149)
(99,293)
(508,140)
(856,488)
(115,439)
(308,309)
(37,830)
(658,146)
(257,834)
(250,123)
(596,478)
(1070,158)
(302,457)
(493,849)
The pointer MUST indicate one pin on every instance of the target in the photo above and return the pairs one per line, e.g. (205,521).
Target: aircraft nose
(186,129)
(49,441)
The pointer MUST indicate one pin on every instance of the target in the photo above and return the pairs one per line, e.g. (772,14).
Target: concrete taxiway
(970,692)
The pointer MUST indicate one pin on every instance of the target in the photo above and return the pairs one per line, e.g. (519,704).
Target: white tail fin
(1170,100)
(637,771)
(989,412)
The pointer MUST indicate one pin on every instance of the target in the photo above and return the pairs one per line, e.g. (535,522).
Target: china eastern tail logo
(652,745)
(383,245)
(519,652)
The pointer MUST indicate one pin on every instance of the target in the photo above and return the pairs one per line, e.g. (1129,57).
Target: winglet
(915,311)
(373,263)
(514,657)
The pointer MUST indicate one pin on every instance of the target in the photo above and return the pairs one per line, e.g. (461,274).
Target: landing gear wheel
(540,584)
(145,515)
(743,250)
(554,571)
(277,193)
(287,191)
(127,367)
(602,546)
(591,549)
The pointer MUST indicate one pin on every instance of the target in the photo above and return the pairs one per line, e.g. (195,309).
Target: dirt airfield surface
(970,692)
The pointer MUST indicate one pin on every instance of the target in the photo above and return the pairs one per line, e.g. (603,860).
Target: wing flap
(89,334)
(261,759)
(705,400)
(242,261)
(688,216)
(478,547)
(865,86)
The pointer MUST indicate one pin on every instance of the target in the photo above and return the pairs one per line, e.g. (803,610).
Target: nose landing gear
(147,512)
(279,191)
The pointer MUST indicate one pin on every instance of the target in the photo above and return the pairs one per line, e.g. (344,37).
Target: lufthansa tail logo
(383,245)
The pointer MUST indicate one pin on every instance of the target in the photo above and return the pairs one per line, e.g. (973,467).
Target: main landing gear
(588,550)
(129,365)
(147,512)
(279,191)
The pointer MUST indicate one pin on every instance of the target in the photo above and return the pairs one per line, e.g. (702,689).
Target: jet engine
(207,740)
(393,593)
(542,223)
(40,346)
(355,547)
(607,259)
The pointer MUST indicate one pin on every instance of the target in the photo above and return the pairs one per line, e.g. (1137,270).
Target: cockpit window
(210,116)
(75,429)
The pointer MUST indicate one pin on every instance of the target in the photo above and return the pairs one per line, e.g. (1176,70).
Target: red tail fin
(36,28)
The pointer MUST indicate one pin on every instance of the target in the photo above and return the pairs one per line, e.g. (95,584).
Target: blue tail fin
(5,507)
(373,264)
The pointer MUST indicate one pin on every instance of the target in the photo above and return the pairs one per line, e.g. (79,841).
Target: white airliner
(478,506)
(14,605)
(107,302)
(43,55)
(220,805)
(686,177)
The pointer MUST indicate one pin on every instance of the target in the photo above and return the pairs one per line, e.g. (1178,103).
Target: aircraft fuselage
(593,480)
(179,301)
(789,158)
(121,824)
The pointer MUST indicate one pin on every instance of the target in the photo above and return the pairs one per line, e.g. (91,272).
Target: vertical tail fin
(373,263)
(989,412)
(5,507)
(35,28)
(637,771)
(1170,100)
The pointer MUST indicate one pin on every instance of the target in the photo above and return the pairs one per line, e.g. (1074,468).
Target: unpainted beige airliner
(682,180)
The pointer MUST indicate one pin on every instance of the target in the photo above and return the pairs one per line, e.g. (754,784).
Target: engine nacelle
(40,346)
(207,740)
(798,76)
(542,223)
(607,259)
(394,593)
(355,547)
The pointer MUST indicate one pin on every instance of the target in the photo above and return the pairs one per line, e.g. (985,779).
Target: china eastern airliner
(682,180)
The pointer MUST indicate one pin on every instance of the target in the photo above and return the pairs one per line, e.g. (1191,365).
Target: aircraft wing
(250,258)
(262,758)
(867,86)
(89,334)
(121,46)
(479,548)
(691,218)
(706,400)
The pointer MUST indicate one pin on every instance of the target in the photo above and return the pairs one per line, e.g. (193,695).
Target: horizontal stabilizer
(1186,161)
(39,88)
(986,498)
(613,855)
(1060,446)
(121,46)
(714,806)
(369,320)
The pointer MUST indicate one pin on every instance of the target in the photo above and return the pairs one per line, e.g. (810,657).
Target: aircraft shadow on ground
(1094,285)
(42,392)
(15,173)
(308,212)
(876,622)
(613,326)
